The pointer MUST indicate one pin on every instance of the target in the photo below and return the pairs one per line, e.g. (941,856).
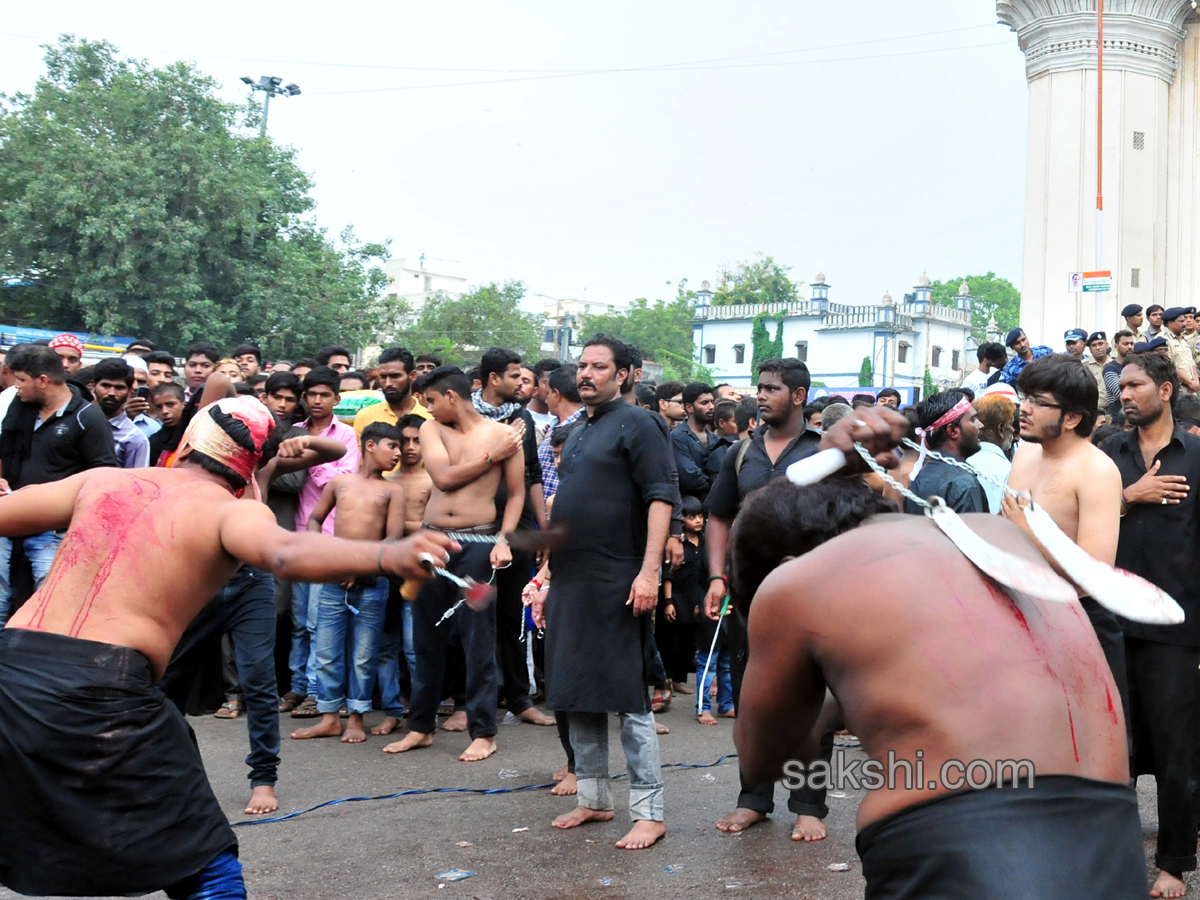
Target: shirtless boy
(1077,485)
(102,789)
(466,456)
(397,635)
(350,614)
(952,671)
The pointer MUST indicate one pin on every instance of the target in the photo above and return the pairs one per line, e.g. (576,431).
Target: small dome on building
(820,279)
(887,299)
(704,286)
(923,281)
(964,290)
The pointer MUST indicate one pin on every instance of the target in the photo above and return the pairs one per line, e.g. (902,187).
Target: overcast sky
(869,140)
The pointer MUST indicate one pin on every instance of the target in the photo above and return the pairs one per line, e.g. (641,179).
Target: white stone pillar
(1141,41)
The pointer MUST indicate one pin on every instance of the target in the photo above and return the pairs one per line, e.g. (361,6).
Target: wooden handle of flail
(814,468)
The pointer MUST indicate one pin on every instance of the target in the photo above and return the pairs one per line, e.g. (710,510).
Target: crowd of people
(624,609)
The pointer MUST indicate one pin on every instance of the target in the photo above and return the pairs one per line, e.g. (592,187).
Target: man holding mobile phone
(138,407)
(112,388)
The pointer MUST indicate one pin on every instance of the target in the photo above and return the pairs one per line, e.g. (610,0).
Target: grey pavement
(384,849)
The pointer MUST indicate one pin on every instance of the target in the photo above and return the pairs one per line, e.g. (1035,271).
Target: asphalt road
(384,849)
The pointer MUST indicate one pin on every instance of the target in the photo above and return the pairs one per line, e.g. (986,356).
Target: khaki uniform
(1096,370)
(1183,356)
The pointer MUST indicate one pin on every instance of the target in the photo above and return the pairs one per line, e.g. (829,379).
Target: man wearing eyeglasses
(670,402)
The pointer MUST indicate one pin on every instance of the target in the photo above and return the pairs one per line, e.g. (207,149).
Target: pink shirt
(319,476)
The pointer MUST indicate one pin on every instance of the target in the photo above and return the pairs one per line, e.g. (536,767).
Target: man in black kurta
(615,496)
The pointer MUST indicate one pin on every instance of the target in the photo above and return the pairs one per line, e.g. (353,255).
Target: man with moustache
(616,496)
(113,382)
(693,440)
(397,371)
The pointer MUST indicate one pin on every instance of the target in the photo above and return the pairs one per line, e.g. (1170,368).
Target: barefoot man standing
(467,456)
(615,495)
(102,790)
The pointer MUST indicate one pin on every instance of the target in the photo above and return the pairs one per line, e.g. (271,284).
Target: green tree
(133,201)
(764,347)
(460,329)
(928,388)
(761,280)
(990,296)
(662,330)
(866,378)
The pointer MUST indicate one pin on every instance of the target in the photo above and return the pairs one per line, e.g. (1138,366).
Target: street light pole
(270,85)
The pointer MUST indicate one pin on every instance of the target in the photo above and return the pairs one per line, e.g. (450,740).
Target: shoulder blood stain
(1112,710)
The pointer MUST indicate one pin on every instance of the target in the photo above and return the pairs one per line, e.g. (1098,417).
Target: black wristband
(712,578)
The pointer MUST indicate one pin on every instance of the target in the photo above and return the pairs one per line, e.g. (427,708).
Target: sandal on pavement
(307,709)
(290,701)
(230,709)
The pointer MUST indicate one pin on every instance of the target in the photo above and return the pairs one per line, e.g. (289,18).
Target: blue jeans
(589,739)
(349,627)
(395,639)
(40,548)
(245,610)
(718,669)
(302,658)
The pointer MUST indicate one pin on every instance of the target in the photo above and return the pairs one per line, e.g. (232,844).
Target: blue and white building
(833,338)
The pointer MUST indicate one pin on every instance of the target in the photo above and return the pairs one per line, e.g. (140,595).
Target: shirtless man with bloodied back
(102,789)
(953,670)
(468,457)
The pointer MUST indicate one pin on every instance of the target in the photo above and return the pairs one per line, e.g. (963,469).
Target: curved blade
(1000,565)
(1124,593)
(813,468)
(549,538)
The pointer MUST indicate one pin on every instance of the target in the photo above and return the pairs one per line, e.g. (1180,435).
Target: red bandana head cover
(66,340)
(231,431)
(960,409)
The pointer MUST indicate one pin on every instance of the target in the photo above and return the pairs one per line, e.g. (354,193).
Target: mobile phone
(143,392)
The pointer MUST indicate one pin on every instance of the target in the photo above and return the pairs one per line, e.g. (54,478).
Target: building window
(954,361)
(902,352)
(1139,140)
(739,353)
(937,357)
(429,282)
(548,336)
(1135,278)
(710,354)
(802,351)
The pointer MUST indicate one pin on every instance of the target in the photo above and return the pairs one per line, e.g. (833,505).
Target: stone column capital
(1060,35)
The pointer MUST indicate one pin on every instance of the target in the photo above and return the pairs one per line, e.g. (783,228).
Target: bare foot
(262,801)
(660,728)
(739,820)
(1168,885)
(643,834)
(706,718)
(680,687)
(354,730)
(560,774)
(730,714)
(565,788)
(414,740)
(581,815)
(478,750)
(387,726)
(535,716)
(457,722)
(808,828)
(329,726)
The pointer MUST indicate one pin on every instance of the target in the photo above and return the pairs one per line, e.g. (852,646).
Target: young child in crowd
(688,589)
(397,633)
(350,614)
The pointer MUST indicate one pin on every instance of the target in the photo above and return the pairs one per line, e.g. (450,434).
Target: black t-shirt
(1160,542)
(76,438)
(732,485)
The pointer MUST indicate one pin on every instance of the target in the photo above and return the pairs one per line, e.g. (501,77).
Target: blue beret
(1012,337)
(1131,310)
(1170,315)
(1143,346)
(1097,336)
(1075,334)
(1156,343)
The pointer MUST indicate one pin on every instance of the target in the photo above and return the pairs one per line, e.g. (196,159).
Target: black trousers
(805,801)
(1164,692)
(1112,641)
(510,631)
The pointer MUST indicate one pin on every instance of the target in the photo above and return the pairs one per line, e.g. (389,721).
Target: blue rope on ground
(456,790)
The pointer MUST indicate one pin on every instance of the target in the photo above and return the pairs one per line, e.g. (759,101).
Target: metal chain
(882,473)
(959,464)
(470,537)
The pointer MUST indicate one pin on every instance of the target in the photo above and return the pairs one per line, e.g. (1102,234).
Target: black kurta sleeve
(649,454)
